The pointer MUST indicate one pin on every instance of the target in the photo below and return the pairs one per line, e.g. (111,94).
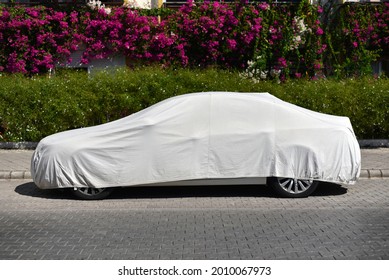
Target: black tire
(292,188)
(91,193)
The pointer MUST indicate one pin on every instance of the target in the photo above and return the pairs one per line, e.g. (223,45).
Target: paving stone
(364,174)
(375,173)
(385,173)
(335,223)
(17,174)
(5,174)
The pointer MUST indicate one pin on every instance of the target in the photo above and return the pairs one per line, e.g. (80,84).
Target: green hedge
(32,108)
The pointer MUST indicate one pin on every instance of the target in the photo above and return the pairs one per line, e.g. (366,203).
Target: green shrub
(32,108)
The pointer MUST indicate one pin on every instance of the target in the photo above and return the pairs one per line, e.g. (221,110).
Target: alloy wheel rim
(294,186)
(90,191)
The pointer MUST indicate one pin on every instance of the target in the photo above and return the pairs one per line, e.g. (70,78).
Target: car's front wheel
(92,193)
(292,188)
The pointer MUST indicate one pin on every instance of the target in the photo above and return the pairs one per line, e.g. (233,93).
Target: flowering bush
(214,33)
(33,39)
(270,41)
(291,43)
(359,35)
(125,31)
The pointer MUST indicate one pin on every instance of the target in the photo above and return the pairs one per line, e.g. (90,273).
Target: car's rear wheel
(293,188)
(92,193)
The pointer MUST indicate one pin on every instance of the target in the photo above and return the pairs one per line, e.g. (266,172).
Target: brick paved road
(196,223)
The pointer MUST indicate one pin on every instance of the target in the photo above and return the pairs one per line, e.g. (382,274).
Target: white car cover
(202,136)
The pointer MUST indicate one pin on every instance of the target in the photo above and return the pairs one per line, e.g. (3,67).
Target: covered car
(203,137)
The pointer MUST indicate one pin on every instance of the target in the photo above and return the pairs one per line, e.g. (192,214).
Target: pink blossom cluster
(361,37)
(367,30)
(380,36)
(213,33)
(34,40)
(125,31)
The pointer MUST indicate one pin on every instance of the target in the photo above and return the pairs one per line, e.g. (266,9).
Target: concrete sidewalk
(15,164)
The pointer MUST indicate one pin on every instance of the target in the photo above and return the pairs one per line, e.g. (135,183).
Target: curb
(374,143)
(374,173)
(18,145)
(15,175)
(363,143)
(365,174)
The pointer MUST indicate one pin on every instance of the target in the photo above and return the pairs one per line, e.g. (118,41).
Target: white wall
(144,4)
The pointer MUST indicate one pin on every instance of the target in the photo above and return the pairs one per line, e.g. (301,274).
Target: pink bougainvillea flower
(282,62)
(231,44)
(319,31)
(317,66)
